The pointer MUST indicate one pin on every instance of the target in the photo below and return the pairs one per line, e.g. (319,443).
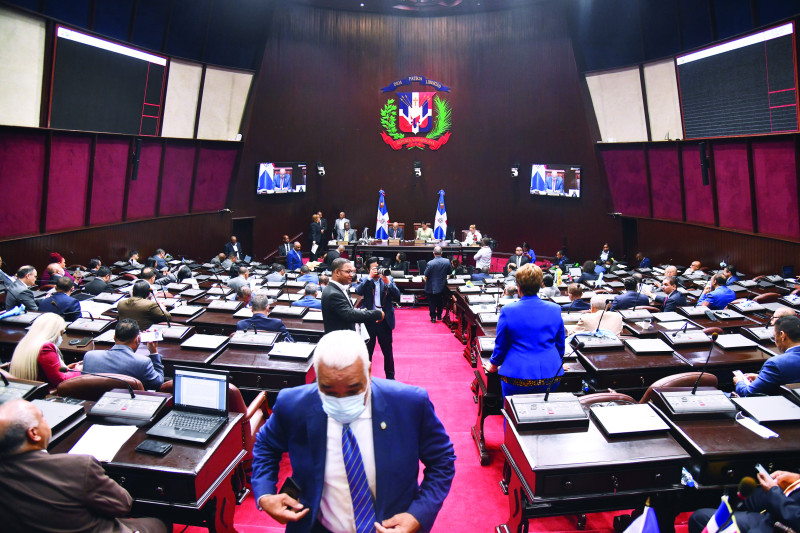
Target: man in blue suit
(123,359)
(778,370)
(436,273)
(384,428)
(674,298)
(294,259)
(260,322)
(60,302)
(309,298)
(378,292)
(644,262)
(554,182)
(282,181)
(306,275)
(631,297)
(718,295)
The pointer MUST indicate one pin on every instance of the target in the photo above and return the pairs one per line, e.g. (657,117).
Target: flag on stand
(723,520)
(382,224)
(440,226)
(645,522)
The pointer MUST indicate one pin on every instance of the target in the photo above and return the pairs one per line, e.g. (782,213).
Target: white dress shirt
(483,258)
(472,238)
(336,507)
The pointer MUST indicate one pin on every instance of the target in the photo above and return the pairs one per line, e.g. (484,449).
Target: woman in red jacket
(37,356)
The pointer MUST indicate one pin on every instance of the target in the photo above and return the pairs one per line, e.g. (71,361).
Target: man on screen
(554,182)
(283,181)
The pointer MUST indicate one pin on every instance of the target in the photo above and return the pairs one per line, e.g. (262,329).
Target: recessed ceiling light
(362,4)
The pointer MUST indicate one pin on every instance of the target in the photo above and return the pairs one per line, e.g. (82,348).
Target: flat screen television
(746,86)
(99,85)
(281,178)
(556,180)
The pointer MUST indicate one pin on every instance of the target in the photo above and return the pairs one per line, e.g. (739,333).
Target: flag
(537,178)
(440,226)
(645,522)
(719,522)
(382,224)
(266,173)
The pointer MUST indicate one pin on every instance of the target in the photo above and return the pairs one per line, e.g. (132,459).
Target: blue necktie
(363,508)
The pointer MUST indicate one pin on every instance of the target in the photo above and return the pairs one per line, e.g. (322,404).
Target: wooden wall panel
(775,170)
(68,182)
(22,168)
(108,182)
(732,180)
(665,181)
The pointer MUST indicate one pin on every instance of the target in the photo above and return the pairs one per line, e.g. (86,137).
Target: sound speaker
(137,152)
(703,162)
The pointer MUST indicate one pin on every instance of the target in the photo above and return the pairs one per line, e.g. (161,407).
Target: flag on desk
(382,224)
(440,225)
(266,172)
(723,520)
(645,522)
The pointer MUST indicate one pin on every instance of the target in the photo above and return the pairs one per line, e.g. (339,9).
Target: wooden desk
(255,370)
(173,354)
(554,472)
(221,323)
(190,485)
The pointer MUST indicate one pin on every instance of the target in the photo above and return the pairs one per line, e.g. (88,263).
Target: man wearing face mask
(345,428)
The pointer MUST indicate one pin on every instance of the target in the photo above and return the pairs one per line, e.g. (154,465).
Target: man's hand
(489,367)
(766,481)
(399,523)
(386,279)
(276,505)
(152,347)
(784,479)
(383,315)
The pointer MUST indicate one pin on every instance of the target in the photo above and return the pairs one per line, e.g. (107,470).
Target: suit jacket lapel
(382,443)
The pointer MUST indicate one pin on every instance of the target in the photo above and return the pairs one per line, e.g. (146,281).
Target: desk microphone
(65,368)
(682,330)
(747,486)
(255,330)
(638,292)
(88,313)
(597,330)
(163,313)
(696,383)
(560,369)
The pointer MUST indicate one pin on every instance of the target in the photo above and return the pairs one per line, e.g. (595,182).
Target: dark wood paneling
(198,236)
(516,96)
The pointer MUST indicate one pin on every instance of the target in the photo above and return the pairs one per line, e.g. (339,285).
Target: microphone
(597,330)
(696,383)
(88,313)
(747,486)
(569,309)
(636,302)
(65,368)
(683,329)
(560,365)
(255,330)
(163,313)
(5,380)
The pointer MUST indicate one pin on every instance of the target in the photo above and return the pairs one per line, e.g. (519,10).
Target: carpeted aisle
(429,356)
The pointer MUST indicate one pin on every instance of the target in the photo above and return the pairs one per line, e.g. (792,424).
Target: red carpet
(427,355)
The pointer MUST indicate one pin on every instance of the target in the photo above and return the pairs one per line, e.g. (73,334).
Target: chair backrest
(767,298)
(685,379)
(91,388)
(714,329)
(606,397)
(236,402)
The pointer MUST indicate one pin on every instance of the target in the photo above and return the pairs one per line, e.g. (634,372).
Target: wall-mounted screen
(747,86)
(280,178)
(556,180)
(99,85)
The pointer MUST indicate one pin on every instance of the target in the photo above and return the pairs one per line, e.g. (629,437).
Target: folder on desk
(648,346)
(635,314)
(765,409)
(615,284)
(244,312)
(204,342)
(792,300)
(480,299)
(193,293)
(263,340)
(735,341)
(489,319)
(200,278)
(187,310)
(312,316)
(25,319)
(747,306)
(290,311)
(618,420)
(760,333)
(226,306)
(87,325)
(177,287)
(121,283)
(669,316)
(686,338)
(298,351)
(108,297)
(774,278)
(560,300)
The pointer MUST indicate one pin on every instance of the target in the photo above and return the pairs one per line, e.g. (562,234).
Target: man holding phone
(355,445)
(123,359)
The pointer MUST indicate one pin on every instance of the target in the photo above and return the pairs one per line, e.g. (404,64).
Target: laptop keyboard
(190,422)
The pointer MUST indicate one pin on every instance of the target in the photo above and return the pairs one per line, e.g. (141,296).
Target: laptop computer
(201,406)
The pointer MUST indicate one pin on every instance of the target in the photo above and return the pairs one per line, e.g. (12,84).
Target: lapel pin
(383,425)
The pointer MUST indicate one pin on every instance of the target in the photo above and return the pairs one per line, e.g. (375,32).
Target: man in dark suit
(233,248)
(260,322)
(100,283)
(577,303)
(337,309)
(435,274)
(378,292)
(518,259)
(323,225)
(562,261)
(333,255)
(60,302)
(778,370)
(19,292)
(395,232)
(294,259)
(348,428)
(674,299)
(282,181)
(48,493)
(644,262)
(285,247)
(630,298)
(140,308)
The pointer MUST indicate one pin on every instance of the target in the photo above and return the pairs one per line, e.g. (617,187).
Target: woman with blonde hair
(37,356)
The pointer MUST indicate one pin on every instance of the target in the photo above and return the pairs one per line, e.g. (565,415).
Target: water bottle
(558,276)
(687,479)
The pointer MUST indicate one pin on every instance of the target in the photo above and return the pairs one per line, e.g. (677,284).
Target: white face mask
(344,410)
(58,340)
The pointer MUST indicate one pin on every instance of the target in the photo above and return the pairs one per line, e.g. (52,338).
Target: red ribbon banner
(412,142)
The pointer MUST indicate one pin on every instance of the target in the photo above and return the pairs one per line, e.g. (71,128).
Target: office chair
(91,388)
(685,379)
(767,298)
(616,398)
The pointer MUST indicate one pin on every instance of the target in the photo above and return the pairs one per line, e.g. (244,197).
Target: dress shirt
(689,273)
(472,238)
(550,292)
(719,298)
(483,257)
(336,506)
(425,234)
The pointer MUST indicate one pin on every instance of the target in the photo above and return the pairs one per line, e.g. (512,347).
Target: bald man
(45,493)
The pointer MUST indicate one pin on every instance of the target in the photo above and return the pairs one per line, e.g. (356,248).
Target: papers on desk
(244,312)
(748,306)
(103,442)
(627,419)
(668,316)
(94,308)
(648,346)
(677,324)
(734,341)
(300,351)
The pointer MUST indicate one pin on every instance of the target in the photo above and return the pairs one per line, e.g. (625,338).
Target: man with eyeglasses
(338,311)
(778,370)
(19,292)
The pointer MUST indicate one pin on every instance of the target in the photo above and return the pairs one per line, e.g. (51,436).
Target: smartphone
(761,469)
(150,336)
(291,488)
(154,447)
(80,343)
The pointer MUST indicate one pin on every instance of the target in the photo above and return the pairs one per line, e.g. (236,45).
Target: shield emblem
(415,112)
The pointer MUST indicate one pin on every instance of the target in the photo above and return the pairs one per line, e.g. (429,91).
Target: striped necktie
(363,508)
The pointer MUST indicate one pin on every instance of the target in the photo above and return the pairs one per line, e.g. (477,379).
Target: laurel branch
(389,119)
(443,120)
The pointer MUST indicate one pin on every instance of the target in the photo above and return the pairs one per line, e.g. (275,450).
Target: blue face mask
(344,410)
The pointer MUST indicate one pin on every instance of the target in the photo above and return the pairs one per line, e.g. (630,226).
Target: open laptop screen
(201,390)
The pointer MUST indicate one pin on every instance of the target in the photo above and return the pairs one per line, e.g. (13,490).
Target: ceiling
(418,7)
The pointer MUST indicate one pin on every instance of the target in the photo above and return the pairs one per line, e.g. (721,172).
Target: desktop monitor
(556,180)
(281,178)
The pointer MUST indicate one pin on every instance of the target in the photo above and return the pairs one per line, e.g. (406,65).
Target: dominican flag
(723,520)
(645,522)
(440,225)
(266,172)
(537,178)
(382,224)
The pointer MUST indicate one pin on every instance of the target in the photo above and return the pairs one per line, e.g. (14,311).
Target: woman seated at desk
(37,357)
(530,339)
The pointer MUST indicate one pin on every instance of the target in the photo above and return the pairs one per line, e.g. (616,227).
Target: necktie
(363,508)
